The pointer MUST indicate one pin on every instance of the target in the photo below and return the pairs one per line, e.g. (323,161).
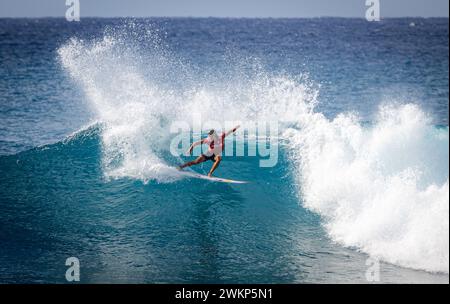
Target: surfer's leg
(217,161)
(197,161)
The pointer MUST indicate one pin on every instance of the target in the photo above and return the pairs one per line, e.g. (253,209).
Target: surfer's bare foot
(179,168)
(209,174)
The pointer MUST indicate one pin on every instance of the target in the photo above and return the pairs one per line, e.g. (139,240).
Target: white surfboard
(212,178)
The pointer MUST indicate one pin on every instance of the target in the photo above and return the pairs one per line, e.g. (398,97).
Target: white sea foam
(123,101)
(382,188)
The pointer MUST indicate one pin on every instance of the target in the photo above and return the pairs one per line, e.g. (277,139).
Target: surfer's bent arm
(232,130)
(194,145)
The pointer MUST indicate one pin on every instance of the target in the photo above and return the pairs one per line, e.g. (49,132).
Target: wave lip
(383,189)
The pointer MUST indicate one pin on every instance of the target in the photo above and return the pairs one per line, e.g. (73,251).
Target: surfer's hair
(211,132)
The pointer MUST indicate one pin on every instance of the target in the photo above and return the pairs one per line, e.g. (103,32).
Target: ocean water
(362,166)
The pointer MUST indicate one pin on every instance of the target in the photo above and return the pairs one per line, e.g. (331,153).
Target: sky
(224,8)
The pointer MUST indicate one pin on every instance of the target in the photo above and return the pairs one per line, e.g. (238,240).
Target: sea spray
(130,108)
(137,88)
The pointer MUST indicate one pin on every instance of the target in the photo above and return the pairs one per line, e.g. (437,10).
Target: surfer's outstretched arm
(194,145)
(232,130)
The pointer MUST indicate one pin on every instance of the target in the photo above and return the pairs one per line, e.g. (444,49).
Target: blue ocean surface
(360,183)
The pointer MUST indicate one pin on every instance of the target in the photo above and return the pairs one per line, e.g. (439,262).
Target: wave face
(382,188)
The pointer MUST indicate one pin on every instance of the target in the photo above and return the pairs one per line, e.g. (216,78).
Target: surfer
(216,144)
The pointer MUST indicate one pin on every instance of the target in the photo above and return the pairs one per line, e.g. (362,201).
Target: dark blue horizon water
(56,200)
